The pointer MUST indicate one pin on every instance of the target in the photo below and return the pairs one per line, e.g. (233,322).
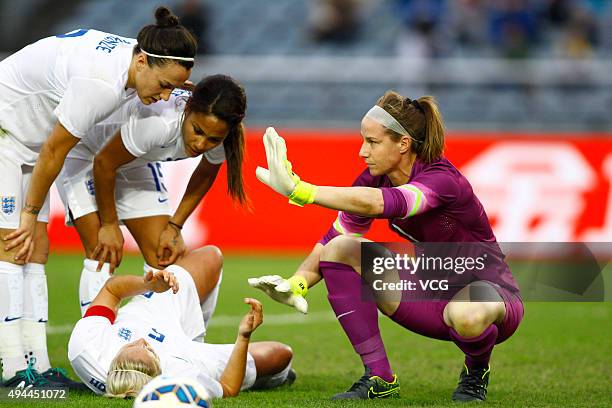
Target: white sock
(35,316)
(210,303)
(146,268)
(11,311)
(91,282)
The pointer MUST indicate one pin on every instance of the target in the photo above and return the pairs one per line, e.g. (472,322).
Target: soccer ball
(162,392)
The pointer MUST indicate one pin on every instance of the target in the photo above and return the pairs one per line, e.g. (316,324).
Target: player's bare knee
(469,320)
(210,258)
(41,246)
(342,249)
(271,357)
(387,308)
(40,256)
(149,253)
(284,353)
(214,256)
(89,247)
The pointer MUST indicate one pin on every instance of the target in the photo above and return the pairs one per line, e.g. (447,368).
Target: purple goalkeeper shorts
(427,317)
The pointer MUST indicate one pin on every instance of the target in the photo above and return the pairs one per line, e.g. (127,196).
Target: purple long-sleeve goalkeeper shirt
(437,205)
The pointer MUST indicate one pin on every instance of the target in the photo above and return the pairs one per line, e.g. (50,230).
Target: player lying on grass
(117,350)
(51,93)
(425,199)
(129,186)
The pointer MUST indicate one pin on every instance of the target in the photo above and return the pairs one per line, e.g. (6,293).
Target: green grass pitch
(560,356)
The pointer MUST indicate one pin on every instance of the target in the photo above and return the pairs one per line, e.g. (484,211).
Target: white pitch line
(282,319)
(63,329)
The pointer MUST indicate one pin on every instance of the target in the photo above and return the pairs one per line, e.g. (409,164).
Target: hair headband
(129,371)
(383,117)
(167,56)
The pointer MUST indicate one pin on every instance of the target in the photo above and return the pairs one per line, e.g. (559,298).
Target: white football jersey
(95,342)
(149,132)
(77,78)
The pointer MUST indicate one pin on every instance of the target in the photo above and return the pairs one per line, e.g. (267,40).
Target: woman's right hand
(161,281)
(171,246)
(110,246)
(24,235)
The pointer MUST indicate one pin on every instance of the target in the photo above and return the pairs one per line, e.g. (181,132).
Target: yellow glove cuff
(298,285)
(303,193)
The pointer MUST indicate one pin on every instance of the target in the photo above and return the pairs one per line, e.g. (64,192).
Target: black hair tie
(417,105)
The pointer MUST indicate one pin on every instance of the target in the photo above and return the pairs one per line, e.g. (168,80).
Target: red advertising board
(534,187)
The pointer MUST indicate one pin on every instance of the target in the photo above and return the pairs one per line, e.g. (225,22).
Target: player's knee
(149,253)
(39,257)
(341,249)
(89,247)
(468,319)
(214,256)
(284,353)
(278,356)
(41,249)
(205,265)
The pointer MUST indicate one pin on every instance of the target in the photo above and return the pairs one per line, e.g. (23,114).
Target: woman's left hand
(171,246)
(252,319)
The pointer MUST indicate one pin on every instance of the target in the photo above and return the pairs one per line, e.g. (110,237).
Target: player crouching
(116,351)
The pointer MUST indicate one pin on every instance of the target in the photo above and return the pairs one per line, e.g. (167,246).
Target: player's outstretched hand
(252,319)
(278,176)
(280,290)
(161,281)
(110,246)
(24,235)
(171,246)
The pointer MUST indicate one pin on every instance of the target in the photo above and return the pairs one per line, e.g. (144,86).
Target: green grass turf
(560,356)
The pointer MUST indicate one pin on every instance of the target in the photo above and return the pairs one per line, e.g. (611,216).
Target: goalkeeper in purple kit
(425,199)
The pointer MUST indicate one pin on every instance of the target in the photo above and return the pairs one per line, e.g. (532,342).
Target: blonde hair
(421,118)
(126,377)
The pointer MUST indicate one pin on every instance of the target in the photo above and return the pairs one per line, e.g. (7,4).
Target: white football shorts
(139,190)
(181,309)
(14,182)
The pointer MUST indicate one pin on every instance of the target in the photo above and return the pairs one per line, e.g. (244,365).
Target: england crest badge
(8,204)
(89,184)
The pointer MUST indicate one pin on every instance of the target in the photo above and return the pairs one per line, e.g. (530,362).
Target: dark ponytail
(166,37)
(223,97)
(421,118)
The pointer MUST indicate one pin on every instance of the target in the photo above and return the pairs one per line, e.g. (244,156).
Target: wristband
(298,285)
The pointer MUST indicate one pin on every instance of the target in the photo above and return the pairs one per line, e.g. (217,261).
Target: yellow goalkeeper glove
(279,175)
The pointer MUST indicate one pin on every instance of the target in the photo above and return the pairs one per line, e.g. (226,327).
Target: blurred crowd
(450,28)
(411,28)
